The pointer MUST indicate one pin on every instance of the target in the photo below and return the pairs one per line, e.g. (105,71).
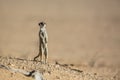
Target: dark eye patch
(41,24)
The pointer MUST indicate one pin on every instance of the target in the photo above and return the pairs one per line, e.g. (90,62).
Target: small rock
(57,77)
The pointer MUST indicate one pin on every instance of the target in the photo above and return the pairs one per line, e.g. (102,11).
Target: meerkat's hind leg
(41,57)
(46,54)
(41,54)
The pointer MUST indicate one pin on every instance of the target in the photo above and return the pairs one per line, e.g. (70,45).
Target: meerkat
(43,41)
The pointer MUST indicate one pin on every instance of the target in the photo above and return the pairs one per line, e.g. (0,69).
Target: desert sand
(84,33)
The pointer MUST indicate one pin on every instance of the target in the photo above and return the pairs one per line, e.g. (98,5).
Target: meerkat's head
(42,24)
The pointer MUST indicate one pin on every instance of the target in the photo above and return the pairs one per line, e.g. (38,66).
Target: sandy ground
(81,32)
(55,71)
